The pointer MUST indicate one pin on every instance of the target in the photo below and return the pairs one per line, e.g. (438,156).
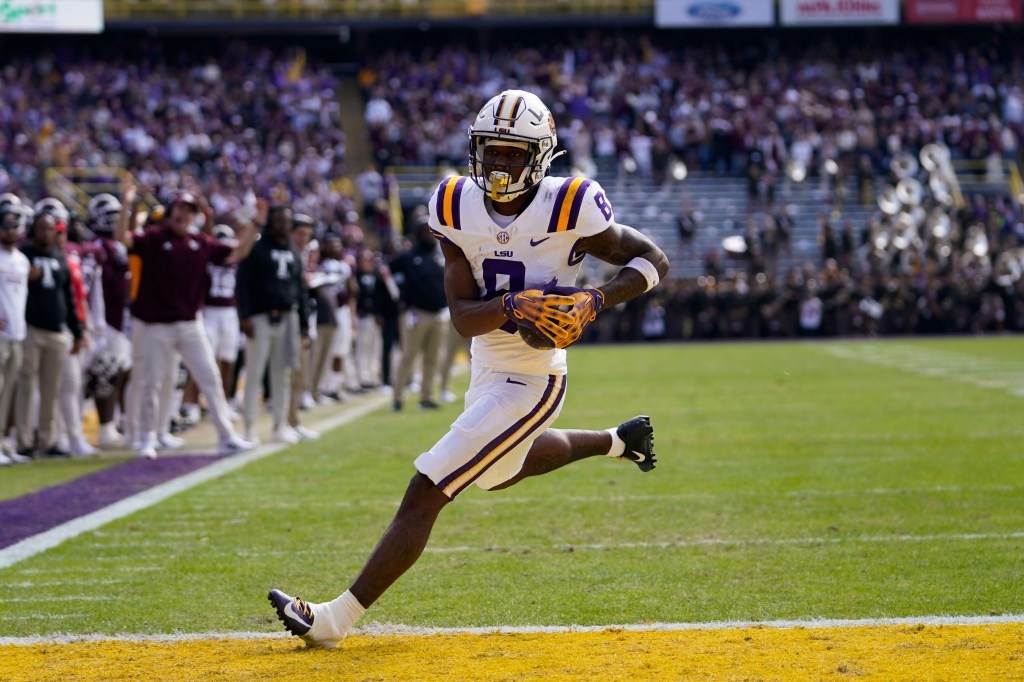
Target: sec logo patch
(503,237)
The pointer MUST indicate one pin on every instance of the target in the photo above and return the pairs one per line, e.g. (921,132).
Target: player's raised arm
(644,263)
(470,315)
(123,227)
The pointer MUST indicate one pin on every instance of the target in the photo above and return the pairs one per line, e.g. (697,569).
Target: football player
(220,319)
(513,239)
(115,359)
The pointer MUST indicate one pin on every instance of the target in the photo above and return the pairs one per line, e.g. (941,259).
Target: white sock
(618,446)
(332,620)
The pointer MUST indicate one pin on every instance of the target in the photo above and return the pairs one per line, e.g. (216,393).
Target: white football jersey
(539,245)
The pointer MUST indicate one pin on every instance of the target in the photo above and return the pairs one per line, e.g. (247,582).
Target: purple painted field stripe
(42,510)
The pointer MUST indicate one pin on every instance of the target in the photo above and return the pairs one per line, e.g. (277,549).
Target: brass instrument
(903,165)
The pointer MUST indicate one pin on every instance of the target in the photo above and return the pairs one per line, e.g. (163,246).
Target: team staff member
(419,273)
(273,311)
(50,316)
(14,269)
(302,238)
(174,260)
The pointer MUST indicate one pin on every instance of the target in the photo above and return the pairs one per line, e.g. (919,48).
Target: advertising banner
(51,16)
(839,12)
(681,13)
(960,11)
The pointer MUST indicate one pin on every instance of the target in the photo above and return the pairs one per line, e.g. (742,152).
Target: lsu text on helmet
(520,119)
(103,211)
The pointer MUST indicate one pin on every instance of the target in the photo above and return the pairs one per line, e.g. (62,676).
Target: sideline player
(505,231)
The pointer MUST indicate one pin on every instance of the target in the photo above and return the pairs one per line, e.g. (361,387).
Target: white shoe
(233,445)
(306,402)
(192,413)
(285,434)
(147,450)
(306,434)
(18,459)
(81,448)
(109,437)
(169,442)
(448,397)
(325,400)
(5,460)
(250,435)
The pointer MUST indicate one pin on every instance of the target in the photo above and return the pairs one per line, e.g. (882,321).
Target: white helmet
(9,199)
(103,212)
(224,233)
(54,208)
(517,118)
(11,203)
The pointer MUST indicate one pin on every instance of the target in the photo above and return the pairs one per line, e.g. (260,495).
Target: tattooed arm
(618,245)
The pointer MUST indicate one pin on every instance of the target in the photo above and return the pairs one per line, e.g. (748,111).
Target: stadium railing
(116,10)
(980,175)
(75,186)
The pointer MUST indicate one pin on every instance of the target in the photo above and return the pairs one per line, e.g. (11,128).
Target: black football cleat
(638,435)
(296,614)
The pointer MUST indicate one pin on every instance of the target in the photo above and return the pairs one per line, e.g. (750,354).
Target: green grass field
(795,481)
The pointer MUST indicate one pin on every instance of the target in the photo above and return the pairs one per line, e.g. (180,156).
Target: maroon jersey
(221,282)
(112,257)
(91,256)
(172,286)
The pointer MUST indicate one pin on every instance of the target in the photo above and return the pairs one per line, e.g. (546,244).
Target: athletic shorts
(488,443)
(221,323)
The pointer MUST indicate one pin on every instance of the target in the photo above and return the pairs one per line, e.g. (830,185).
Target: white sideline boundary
(386,629)
(55,536)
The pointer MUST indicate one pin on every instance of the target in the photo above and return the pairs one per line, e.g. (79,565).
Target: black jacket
(51,303)
(270,279)
(420,277)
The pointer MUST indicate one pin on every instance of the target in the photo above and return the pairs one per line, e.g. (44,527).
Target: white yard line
(56,583)
(614,546)
(719,542)
(990,373)
(384,629)
(129,505)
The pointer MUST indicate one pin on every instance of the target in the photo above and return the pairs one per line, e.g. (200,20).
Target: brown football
(535,340)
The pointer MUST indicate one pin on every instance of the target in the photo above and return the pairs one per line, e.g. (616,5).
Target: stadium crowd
(761,110)
(253,135)
(708,102)
(244,121)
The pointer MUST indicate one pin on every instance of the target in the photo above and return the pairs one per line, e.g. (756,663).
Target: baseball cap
(185,197)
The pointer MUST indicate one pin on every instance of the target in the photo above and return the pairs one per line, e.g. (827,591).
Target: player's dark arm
(470,315)
(618,245)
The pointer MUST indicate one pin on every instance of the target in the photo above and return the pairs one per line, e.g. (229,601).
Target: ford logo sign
(714,11)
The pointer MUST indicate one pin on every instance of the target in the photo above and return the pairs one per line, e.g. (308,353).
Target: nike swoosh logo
(293,613)
(641,456)
(509,381)
(535,242)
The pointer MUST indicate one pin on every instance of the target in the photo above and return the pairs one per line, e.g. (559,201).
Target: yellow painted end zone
(950,652)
